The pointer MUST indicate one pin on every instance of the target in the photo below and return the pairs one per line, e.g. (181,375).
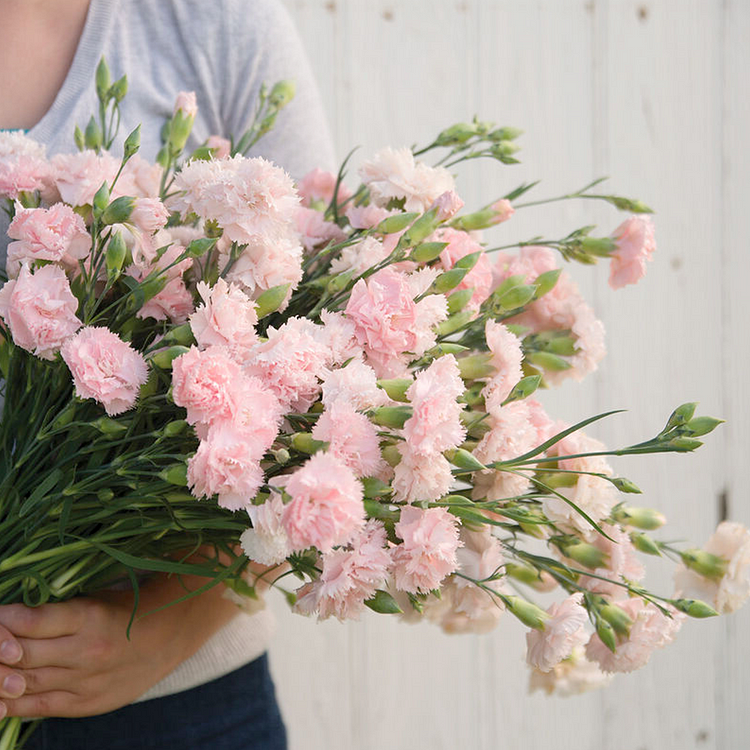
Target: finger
(45,621)
(46,680)
(10,650)
(12,683)
(55,703)
(65,651)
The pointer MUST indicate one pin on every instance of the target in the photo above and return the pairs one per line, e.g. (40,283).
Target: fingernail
(10,652)
(3,710)
(14,685)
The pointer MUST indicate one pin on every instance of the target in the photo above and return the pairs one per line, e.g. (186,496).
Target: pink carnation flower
(319,186)
(349,577)
(635,244)
(40,310)
(266,542)
(479,278)
(248,198)
(563,631)
(622,562)
(227,316)
(326,507)
(355,384)
(221,147)
(290,362)
(572,676)
(448,205)
(435,424)
(227,464)
(55,234)
(187,103)
(315,231)
(78,176)
(23,165)
(105,368)
(207,384)
(428,551)
(503,210)
(174,303)
(650,630)
(392,174)
(507,356)
(351,437)
(149,214)
(140,179)
(367,217)
(417,477)
(337,335)
(360,256)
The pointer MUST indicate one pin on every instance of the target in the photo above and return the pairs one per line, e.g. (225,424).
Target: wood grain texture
(654,94)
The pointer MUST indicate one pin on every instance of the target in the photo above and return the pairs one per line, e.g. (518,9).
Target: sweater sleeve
(262,46)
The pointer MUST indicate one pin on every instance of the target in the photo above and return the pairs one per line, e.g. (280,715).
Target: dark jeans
(235,712)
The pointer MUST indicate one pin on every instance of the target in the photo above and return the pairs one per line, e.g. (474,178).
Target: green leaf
(383,603)
(41,490)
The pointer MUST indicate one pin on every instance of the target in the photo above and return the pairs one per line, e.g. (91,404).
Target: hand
(74,659)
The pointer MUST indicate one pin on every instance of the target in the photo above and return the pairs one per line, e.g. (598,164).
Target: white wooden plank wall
(653,93)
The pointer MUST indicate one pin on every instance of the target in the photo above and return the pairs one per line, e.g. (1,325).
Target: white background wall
(653,93)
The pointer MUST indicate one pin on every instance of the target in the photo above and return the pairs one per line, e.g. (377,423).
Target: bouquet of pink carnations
(335,384)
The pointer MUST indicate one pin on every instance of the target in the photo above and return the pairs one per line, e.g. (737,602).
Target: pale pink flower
(78,176)
(40,310)
(227,316)
(650,630)
(635,244)
(266,542)
(315,231)
(186,103)
(227,464)
(507,356)
(355,384)
(140,179)
(572,676)
(290,362)
(563,631)
(319,186)
(427,553)
(459,245)
(266,263)
(419,478)
(149,214)
(258,412)
(23,165)
(56,234)
(220,146)
(731,542)
(622,563)
(393,175)
(448,204)
(250,199)
(337,335)
(349,577)
(207,384)
(367,217)
(503,210)
(360,256)
(351,437)
(473,609)
(435,424)
(326,507)
(174,303)
(105,368)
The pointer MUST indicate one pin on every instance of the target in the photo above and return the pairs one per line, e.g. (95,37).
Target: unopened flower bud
(694,608)
(476,366)
(515,297)
(600,247)
(548,361)
(456,134)
(132,143)
(390,416)
(684,444)
(528,613)
(644,543)
(642,518)
(175,474)
(174,428)
(422,228)
(454,323)
(699,426)
(271,300)
(109,427)
(396,223)
(391,455)
(617,617)
(101,199)
(447,205)
(182,334)
(464,460)
(104,494)
(607,634)
(396,388)
(586,554)
(449,279)
(281,456)
(458,300)
(628,487)
(546,282)
(524,388)
(78,138)
(103,80)
(119,210)
(704,563)
(119,89)
(504,134)
(92,137)
(282,93)
(304,442)
(427,251)
(163,359)
(681,416)
(116,254)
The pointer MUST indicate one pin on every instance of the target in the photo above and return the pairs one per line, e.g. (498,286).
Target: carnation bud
(464,460)
(175,474)
(699,426)
(109,427)
(628,204)
(304,442)
(631,488)
(617,617)
(528,613)
(681,416)
(684,444)
(390,416)
(103,81)
(454,323)
(458,300)
(163,359)
(456,134)
(642,518)
(119,89)
(383,603)
(644,543)
(374,487)
(116,253)
(469,261)
(427,251)
(119,210)
(174,428)
(282,93)
(93,137)
(704,563)
(182,334)
(132,143)
(397,223)
(104,494)
(694,608)
(586,554)
(79,138)
(524,388)
(607,634)
(271,300)
(391,455)
(65,417)
(449,279)
(516,296)
(396,388)
(523,573)
(476,366)
(548,361)
(101,199)
(504,150)
(546,282)
(281,456)
(504,134)
(601,247)
(423,227)
(339,282)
